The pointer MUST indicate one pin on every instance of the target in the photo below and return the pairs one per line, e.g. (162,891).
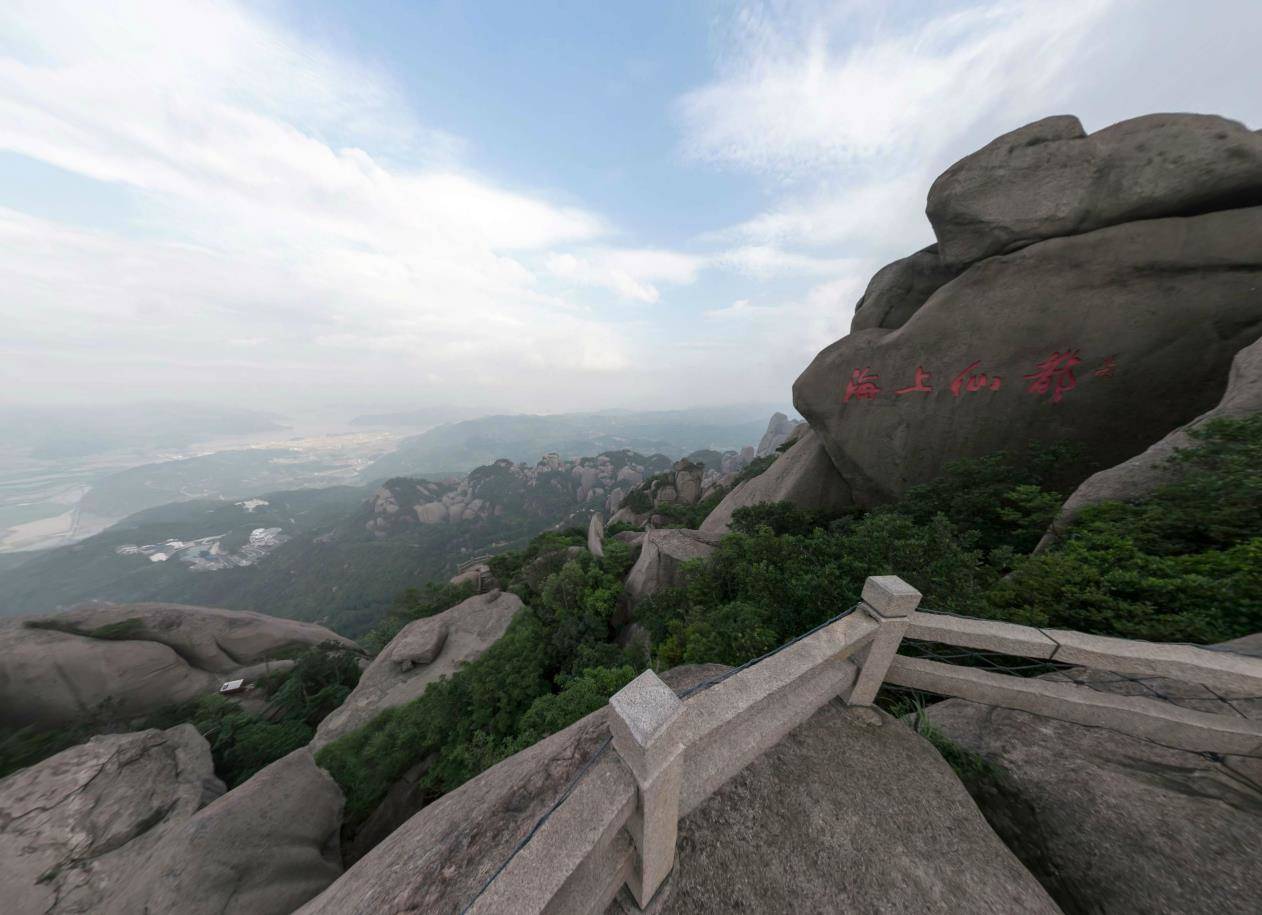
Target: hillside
(340,555)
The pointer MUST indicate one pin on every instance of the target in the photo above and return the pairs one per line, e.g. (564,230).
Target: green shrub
(638,500)
(483,712)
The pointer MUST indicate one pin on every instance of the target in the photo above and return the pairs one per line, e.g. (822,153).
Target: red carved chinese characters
(921,377)
(1055,373)
(1108,368)
(862,385)
(974,381)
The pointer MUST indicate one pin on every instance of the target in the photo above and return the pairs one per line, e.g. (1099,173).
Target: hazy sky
(520,206)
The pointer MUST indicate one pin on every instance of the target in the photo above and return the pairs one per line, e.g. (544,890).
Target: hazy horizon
(291,207)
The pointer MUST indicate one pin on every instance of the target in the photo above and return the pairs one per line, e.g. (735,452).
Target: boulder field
(117,661)
(1087,289)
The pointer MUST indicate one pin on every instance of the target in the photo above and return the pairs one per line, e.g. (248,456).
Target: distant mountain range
(459,447)
(338,555)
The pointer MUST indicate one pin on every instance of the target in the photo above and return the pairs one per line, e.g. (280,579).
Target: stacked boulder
(110,662)
(1088,289)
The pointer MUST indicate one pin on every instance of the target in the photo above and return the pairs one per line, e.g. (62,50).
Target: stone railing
(618,821)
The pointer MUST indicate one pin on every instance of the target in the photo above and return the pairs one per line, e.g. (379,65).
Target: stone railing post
(645,720)
(888,600)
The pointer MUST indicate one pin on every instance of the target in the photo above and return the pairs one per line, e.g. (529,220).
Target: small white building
(232,686)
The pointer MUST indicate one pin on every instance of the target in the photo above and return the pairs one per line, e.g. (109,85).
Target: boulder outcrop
(208,638)
(803,475)
(1050,179)
(1082,289)
(425,650)
(836,795)
(1109,338)
(266,847)
(661,561)
(437,860)
(596,535)
(1142,474)
(1111,823)
(73,826)
(552,488)
(122,660)
(843,815)
(897,290)
(778,431)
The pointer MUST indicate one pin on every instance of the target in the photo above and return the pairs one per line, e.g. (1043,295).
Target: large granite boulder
(1111,823)
(438,860)
(265,848)
(1108,338)
(843,815)
(73,826)
(897,290)
(803,475)
(663,554)
(425,650)
(1142,474)
(779,428)
(51,679)
(1050,179)
(114,661)
(209,638)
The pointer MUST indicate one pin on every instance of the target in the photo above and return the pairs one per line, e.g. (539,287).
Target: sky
(530,207)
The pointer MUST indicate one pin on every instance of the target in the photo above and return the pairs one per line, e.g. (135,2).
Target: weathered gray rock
(1111,823)
(1142,474)
(266,847)
(424,651)
(438,859)
(688,482)
(209,638)
(172,653)
(843,816)
(1049,179)
(74,826)
(898,289)
(836,791)
(1109,338)
(596,535)
(778,431)
(51,679)
(662,557)
(803,475)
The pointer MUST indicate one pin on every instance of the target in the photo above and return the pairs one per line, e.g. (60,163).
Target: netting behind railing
(605,745)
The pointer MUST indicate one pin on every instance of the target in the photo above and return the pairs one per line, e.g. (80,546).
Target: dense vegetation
(1185,563)
(242,741)
(556,663)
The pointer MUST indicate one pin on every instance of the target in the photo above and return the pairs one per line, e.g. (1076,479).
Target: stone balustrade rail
(617,823)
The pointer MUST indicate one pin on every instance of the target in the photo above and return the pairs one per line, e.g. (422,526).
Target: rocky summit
(1083,289)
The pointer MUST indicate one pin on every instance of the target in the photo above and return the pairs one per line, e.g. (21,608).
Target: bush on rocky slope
(1184,563)
(556,662)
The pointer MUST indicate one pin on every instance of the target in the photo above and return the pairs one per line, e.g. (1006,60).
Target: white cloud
(266,224)
(834,90)
(629,273)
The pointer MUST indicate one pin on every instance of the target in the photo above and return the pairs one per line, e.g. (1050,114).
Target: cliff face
(1084,289)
